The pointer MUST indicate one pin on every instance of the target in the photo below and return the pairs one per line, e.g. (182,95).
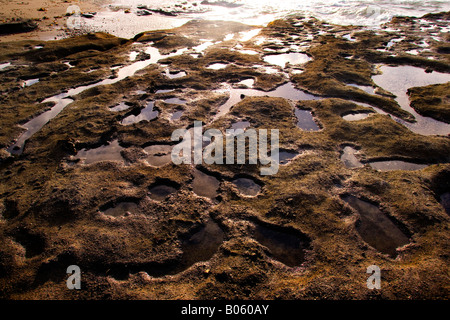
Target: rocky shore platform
(86,177)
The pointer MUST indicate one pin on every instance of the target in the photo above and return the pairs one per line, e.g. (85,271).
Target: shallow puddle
(122,209)
(217,66)
(378,110)
(267,69)
(175,75)
(240,125)
(297,71)
(396,165)
(368,89)
(30,82)
(283,246)
(202,47)
(291,58)
(161,192)
(176,115)
(376,228)
(247,82)
(158,155)
(35,124)
(398,80)
(286,156)
(200,246)
(356,116)
(414,52)
(205,185)
(146,114)
(109,152)
(349,158)
(349,37)
(4,65)
(164,90)
(247,187)
(445,201)
(270,70)
(120,107)
(175,101)
(394,41)
(133,55)
(250,52)
(305,120)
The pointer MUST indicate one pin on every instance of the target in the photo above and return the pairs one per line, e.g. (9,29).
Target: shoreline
(127,21)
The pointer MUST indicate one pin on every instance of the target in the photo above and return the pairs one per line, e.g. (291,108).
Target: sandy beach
(48,14)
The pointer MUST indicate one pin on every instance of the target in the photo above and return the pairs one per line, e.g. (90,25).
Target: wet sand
(51,20)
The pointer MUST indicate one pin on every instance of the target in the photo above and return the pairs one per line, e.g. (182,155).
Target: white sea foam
(369,13)
(360,12)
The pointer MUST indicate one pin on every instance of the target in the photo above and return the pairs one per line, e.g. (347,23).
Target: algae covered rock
(156,230)
(432,101)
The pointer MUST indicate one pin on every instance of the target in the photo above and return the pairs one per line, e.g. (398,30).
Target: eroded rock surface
(54,206)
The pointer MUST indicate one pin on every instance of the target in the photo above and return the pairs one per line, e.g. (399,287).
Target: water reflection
(398,80)
(376,228)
